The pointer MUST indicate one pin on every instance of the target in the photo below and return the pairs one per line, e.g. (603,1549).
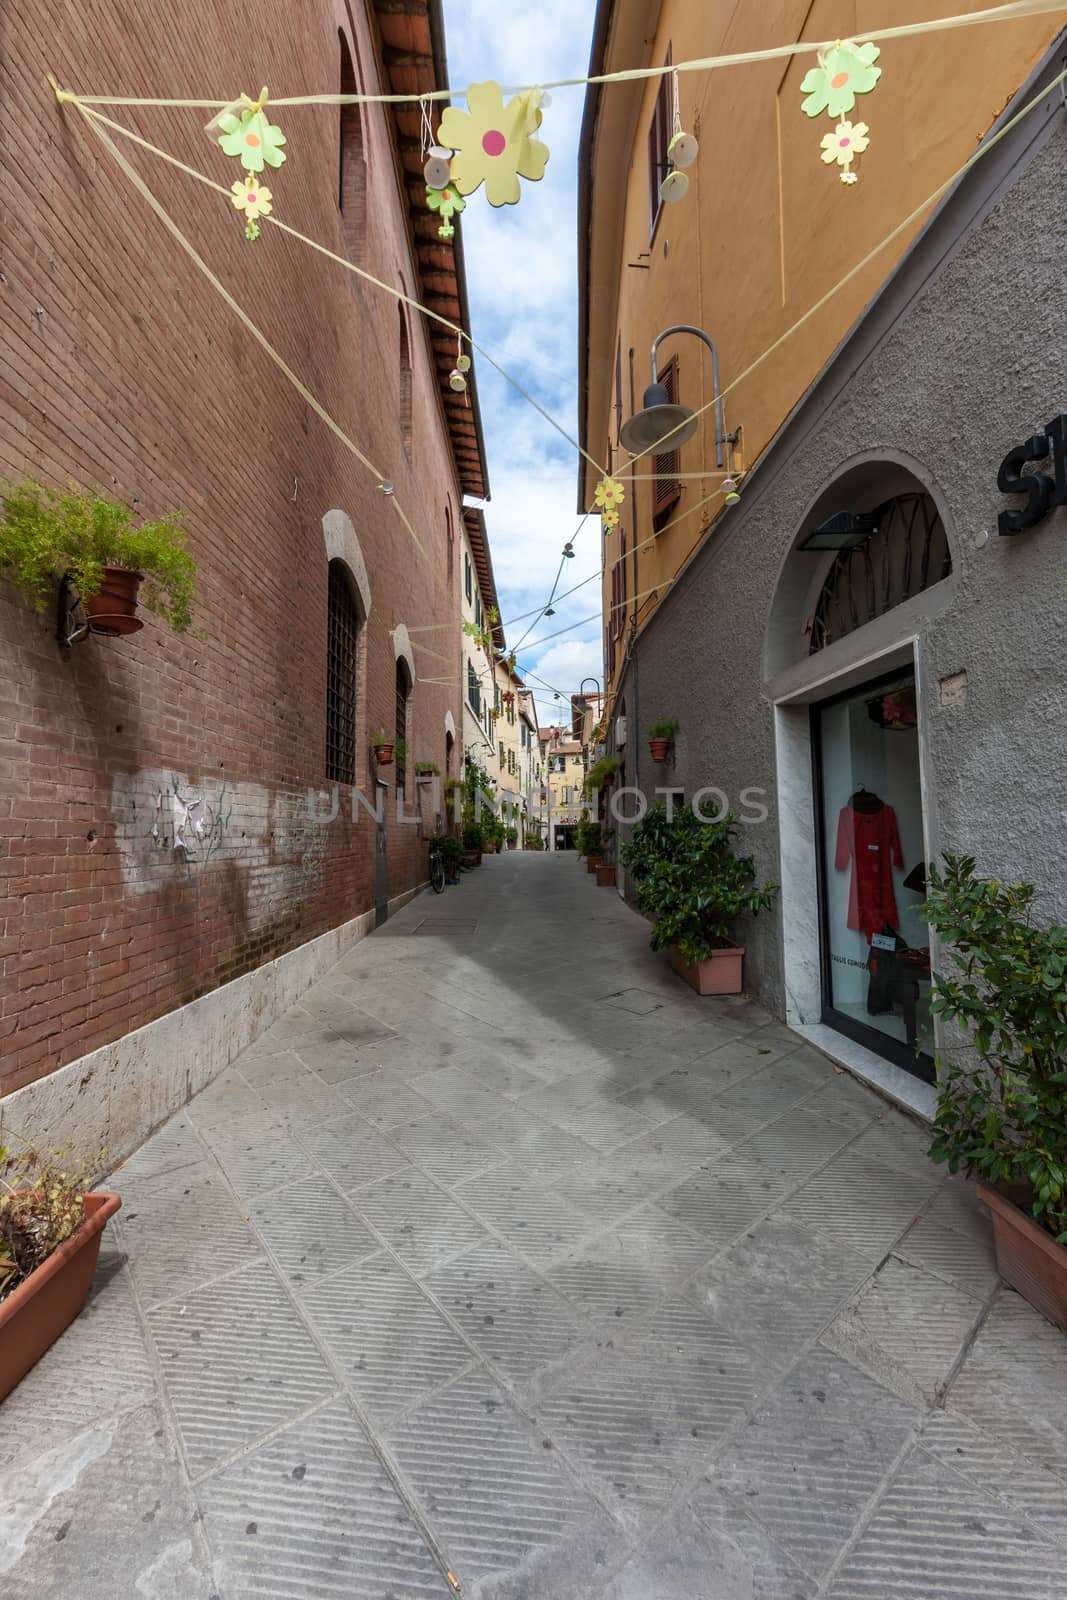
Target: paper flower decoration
(848,140)
(609,494)
(609,521)
(844,71)
(251,137)
(494,143)
(446,202)
(251,198)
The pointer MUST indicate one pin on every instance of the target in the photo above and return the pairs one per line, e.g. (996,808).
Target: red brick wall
(121,367)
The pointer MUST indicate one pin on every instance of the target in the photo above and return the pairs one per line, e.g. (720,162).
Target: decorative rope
(1012,12)
(342,261)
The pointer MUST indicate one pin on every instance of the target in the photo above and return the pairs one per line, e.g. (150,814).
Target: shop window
(352,163)
(905,552)
(342,656)
(875,955)
(659,137)
(666,487)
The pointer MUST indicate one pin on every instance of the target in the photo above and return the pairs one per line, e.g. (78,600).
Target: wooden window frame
(659,137)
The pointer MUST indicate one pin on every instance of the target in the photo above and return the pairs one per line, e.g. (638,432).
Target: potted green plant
(534,842)
(512,838)
(1002,1116)
(587,839)
(451,854)
(687,878)
(659,739)
(73,535)
(601,774)
(50,1233)
(383,748)
(425,770)
(473,838)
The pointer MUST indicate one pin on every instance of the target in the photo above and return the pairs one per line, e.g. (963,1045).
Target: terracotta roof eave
(414,60)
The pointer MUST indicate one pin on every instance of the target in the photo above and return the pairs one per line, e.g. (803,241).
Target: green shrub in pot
(1003,1116)
(48,533)
(687,878)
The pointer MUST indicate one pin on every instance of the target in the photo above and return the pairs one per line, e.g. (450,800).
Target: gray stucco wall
(968,360)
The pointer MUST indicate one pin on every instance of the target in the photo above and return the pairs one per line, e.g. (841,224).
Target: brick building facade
(122,368)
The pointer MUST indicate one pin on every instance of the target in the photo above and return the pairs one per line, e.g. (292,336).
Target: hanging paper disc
(674,187)
(683,149)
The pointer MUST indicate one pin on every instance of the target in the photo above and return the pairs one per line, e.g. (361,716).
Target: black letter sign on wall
(1042,493)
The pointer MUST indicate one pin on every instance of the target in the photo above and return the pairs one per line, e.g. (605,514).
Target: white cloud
(522,276)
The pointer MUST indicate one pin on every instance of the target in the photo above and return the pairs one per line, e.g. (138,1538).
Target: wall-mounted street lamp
(661,420)
(581,686)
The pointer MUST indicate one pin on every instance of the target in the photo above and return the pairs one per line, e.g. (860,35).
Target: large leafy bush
(687,878)
(1003,1116)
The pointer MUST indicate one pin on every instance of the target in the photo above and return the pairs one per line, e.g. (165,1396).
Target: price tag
(883,941)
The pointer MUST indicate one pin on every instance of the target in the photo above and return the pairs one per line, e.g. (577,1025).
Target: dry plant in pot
(1002,1116)
(50,1232)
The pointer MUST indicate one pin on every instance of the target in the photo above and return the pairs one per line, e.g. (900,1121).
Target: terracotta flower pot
(605,876)
(114,609)
(592,862)
(1028,1257)
(659,748)
(35,1314)
(383,754)
(719,974)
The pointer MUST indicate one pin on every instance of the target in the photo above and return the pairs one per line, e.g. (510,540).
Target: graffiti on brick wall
(191,825)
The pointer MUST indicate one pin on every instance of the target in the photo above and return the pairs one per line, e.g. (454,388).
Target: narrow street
(502,1253)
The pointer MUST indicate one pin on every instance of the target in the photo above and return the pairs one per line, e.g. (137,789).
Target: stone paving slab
(547,1272)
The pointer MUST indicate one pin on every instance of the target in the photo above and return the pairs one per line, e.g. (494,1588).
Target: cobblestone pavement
(504,1254)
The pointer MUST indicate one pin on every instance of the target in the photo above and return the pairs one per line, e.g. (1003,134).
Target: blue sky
(522,275)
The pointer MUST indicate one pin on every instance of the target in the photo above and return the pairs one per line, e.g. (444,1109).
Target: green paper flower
(844,71)
(251,137)
(446,202)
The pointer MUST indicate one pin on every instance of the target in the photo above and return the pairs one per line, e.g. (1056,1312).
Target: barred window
(341,663)
(403,688)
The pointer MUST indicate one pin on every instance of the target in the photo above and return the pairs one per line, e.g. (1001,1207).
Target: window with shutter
(659,137)
(666,488)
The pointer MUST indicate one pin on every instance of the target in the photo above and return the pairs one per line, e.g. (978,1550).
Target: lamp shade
(658,418)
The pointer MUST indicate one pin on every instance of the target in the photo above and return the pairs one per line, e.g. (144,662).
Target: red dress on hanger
(870,839)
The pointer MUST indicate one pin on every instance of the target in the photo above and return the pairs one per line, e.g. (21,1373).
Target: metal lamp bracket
(721,435)
(69,633)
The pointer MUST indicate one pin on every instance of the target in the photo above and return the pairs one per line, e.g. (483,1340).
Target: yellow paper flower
(251,197)
(848,140)
(609,493)
(493,142)
(609,521)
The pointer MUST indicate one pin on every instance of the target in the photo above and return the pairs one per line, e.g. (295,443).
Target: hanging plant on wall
(51,535)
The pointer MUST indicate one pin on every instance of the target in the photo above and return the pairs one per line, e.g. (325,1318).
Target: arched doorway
(868,569)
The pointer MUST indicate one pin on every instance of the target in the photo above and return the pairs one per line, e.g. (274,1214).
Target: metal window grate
(906,553)
(341,659)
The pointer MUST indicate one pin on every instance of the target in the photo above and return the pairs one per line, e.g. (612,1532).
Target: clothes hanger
(863,799)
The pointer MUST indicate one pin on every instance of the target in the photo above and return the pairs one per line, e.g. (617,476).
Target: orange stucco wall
(766,229)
